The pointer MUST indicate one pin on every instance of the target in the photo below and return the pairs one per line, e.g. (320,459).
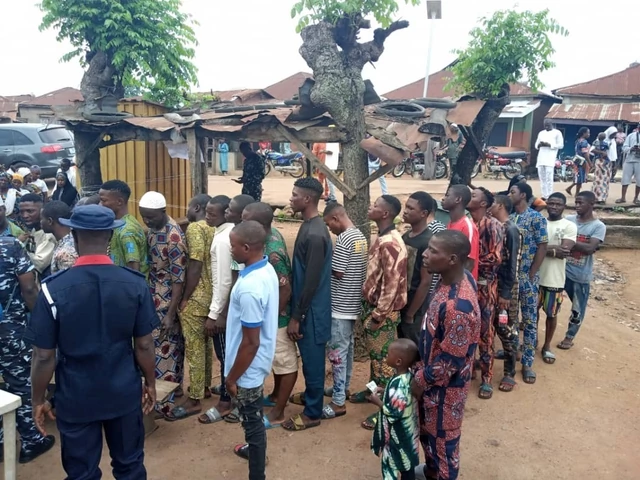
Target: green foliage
(505,48)
(150,42)
(313,11)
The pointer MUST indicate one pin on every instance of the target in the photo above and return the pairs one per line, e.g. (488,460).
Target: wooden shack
(146,165)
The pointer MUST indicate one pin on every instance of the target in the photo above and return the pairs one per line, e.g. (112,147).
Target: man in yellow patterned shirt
(194,308)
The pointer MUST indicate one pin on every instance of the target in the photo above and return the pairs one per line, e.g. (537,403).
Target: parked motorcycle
(508,164)
(415,163)
(563,170)
(290,164)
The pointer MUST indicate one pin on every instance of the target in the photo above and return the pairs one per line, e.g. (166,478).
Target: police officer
(18,293)
(90,313)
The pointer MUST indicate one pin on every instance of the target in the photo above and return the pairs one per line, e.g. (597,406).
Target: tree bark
(479,131)
(88,162)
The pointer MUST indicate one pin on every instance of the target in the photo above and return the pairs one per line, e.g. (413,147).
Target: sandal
(621,200)
(242,451)
(548,357)
(297,399)
(233,416)
(296,424)
(217,390)
(528,376)
(565,344)
(180,413)
(360,397)
(210,416)
(485,392)
(267,402)
(268,425)
(507,384)
(328,392)
(370,422)
(328,413)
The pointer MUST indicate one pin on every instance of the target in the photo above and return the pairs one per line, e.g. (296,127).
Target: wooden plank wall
(146,166)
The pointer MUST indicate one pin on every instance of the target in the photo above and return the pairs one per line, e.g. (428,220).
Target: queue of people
(430,301)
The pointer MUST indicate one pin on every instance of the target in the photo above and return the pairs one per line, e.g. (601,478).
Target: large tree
(506,48)
(330,31)
(137,45)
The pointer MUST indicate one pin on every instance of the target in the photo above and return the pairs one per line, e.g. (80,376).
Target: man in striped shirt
(348,270)
(455,201)
(420,283)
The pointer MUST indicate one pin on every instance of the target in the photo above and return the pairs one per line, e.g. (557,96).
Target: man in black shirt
(507,290)
(252,172)
(420,282)
(310,323)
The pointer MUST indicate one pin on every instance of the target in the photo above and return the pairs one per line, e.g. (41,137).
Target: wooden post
(383,170)
(194,162)
(331,175)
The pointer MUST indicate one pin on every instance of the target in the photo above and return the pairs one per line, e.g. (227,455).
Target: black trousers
(220,347)
(81,445)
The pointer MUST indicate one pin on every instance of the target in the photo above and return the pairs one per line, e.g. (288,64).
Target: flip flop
(370,422)
(360,397)
(565,345)
(179,413)
(529,376)
(296,424)
(267,402)
(548,357)
(297,399)
(268,425)
(328,413)
(507,384)
(212,416)
(328,392)
(485,392)
(233,416)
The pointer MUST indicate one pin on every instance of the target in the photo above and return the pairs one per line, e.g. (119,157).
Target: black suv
(26,144)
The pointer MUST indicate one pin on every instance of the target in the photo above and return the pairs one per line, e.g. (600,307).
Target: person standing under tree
(491,240)
(251,337)
(534,248)
(562,237)
(310,323)
(348,270)
(98,385)
(168,258)
(450,334)
(591,233)
(417,210)
(384,295)
(549,143)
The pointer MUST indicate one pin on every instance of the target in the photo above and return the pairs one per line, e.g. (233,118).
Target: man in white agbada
(549,143)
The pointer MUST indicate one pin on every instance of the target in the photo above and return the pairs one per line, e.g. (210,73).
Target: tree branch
(371,51)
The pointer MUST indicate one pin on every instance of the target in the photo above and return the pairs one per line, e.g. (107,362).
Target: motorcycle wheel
(299,168)
(476,170)
(441,169)
(398,171)
(267,168)
(512,171)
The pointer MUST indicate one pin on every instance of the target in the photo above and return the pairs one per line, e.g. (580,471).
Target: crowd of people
(431,300)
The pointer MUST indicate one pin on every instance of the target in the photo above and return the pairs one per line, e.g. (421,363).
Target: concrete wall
(35,114)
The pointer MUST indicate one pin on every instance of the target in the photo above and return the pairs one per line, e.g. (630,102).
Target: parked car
(26,144)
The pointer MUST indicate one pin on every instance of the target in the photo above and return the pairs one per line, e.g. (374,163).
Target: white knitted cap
(153,200)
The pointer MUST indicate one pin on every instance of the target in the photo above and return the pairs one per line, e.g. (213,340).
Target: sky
(253,44)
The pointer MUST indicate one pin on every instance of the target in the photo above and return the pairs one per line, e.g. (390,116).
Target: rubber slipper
(268,425)
(217,390)
(180,413)
(297,399)
(370,422)
(242,451)
(619,201)
(507,384)
(485,392)
(564,345)
(548,357)
(328,413)
(529,376)
(360,397)
(212,416)
(296,424)
(328,392)
(267,402)
(233,416)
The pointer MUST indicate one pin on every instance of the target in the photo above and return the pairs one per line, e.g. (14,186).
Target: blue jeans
(340,353)
(382,180)
(578,293)
(332,191)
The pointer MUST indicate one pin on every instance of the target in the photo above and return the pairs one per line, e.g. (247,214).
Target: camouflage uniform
(15,355)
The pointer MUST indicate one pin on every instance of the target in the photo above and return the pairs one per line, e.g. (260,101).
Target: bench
(8,406)
(163,390)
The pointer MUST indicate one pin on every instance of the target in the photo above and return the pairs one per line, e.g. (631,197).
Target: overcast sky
(252,44)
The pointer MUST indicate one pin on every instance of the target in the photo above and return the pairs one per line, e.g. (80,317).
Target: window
(21,139)
(55,135)
(6,138)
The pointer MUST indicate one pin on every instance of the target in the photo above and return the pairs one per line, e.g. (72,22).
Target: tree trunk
(98,84)
(480,130)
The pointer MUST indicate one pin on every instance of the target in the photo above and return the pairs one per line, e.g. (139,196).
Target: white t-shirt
(547,155)
(552,270)
(42,185)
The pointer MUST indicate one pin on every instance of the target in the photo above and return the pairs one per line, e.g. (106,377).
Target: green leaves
(149,42)
(507,48)
(313,11)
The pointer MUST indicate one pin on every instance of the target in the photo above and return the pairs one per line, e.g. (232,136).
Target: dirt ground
(580,420)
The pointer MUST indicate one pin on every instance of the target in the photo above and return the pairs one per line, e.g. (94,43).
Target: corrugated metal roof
(620,84)
(519,108)
(286,89)
(593,112)
(62,96)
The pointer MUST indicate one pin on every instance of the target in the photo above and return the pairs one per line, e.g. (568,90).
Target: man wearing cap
(168,263)
(98,386)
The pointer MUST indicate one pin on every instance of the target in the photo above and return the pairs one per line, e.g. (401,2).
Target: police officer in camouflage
(18,293)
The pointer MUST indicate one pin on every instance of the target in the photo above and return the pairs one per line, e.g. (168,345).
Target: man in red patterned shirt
(450,334)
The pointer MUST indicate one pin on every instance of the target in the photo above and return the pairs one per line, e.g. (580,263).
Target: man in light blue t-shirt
(591,233)
(252,327)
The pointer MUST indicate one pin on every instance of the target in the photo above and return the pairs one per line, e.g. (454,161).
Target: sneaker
(43,447)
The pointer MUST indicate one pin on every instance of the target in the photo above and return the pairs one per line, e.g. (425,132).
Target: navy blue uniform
(15,355)
(99,309)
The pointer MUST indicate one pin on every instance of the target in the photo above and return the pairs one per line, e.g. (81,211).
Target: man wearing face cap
(98,386)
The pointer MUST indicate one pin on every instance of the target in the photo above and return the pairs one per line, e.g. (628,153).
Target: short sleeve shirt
(552,270)
(64,254)
(129,244)
(14,262)
(580,265)
(253,304)
(534,232)
(466,226)
(349,258)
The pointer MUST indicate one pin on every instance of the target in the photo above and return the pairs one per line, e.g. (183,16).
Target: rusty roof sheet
(598,112)
(244,96)
(63,96)
(160,124)
(287,88)
(620,84)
